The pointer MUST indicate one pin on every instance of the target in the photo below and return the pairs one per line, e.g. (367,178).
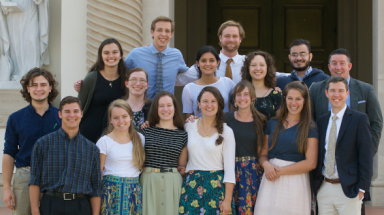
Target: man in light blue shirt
(171,59)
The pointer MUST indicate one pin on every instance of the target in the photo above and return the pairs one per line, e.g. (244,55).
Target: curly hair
(219,115)
(269,80)
(27,80)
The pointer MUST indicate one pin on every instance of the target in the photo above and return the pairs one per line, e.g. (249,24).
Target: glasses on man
(134,80)
(301,54)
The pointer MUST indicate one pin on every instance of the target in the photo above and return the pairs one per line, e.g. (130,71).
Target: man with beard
(24,127)
(300,57)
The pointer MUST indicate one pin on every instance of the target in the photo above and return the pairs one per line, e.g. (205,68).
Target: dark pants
(51,205)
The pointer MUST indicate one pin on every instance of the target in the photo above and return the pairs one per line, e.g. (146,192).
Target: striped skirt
(202,193)
(248,179)
(121,195)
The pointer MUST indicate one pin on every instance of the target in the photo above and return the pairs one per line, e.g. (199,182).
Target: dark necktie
(159,78)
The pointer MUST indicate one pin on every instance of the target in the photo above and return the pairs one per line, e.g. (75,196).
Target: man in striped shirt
(65,166)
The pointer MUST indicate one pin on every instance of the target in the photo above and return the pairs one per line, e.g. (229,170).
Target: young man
(65,166)
(345,159)
(24,127)
(300,57)
(160,62)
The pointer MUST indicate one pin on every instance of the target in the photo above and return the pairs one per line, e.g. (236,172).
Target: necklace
(202,126)
(265,93)
(110,84)
(290,125)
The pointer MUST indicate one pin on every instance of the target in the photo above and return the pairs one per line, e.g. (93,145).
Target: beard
(226,48)
(300,69)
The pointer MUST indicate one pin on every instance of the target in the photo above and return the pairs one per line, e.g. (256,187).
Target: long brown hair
(138,149)
(305,116)
(128,75)
(219,115)
(153,116)
(269,79)
(259,120)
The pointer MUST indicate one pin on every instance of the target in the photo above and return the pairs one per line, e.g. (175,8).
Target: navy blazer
(354,156)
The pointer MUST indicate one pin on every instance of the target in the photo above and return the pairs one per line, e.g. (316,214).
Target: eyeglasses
(134,80)
(302,54)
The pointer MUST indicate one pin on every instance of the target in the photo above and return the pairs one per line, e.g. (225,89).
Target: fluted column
(120,19)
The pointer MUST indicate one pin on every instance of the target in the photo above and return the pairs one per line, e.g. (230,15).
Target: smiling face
(162,34)
(166,108)
(258,68)
(39,89)
(295,101)
(230,39)
(120,119)
(337,94)
(137,83)
(70,115)
(243,99)
(300,57)
(340,66)
(208,104)
(111,55)
(207,63)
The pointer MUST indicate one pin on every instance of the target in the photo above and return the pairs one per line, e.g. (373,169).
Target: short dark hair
(336,79)
(69,100)
(203,50)
(340,51)
(28,78)
(298,42)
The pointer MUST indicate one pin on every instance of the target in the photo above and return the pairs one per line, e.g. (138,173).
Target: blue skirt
(121,195)
(248,179)
(203,193)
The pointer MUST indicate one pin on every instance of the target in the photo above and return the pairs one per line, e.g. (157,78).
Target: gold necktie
(330,163)
(228,70)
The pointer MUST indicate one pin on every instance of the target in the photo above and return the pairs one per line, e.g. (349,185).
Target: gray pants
(21,191)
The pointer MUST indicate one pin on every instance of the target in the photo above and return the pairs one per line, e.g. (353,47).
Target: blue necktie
(159,78)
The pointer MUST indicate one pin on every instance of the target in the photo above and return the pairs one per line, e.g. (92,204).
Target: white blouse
(204,154)
(119,157)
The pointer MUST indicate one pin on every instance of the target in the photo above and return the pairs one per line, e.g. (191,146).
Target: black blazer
(354,157)
(363,99)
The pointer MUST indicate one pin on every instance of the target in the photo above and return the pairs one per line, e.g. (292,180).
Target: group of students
(245,148)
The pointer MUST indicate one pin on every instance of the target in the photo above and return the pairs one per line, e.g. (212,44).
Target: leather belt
(65,196)
(332,181)
(160,170)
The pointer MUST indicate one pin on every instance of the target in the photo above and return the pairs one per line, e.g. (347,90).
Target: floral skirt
(248,179)
(121,195)
(203,193)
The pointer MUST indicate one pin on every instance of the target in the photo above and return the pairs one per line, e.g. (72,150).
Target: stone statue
(24,35)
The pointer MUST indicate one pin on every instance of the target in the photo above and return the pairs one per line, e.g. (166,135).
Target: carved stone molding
(10,101)
(119,19)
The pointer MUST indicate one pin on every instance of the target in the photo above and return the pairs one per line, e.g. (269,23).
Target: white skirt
(288,195)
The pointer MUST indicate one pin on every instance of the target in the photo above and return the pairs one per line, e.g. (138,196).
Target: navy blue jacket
(316,75)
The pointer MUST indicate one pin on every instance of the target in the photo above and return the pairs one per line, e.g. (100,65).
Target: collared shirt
(147,58)
(24,127)
(306,74)
(347,101)
(340,116)
(60,164)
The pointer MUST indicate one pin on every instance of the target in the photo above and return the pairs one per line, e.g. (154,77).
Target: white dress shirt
(340,116)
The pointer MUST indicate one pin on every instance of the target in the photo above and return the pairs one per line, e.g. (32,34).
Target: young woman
(247,125)
(208,186)
(259,69)
(103,84)
(121,160)
(165,150)
(137,84)
(207,61)
(289,153)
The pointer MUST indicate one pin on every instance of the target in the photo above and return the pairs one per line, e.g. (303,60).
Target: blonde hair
(165,19)
(138,149)
(231,23)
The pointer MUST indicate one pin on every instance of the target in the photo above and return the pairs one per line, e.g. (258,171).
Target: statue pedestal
(11,7)
(10,101)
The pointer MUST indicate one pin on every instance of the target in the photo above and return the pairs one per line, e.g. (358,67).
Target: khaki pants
(332,201)
(21,191)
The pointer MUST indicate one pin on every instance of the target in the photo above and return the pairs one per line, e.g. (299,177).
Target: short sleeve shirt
(286,144)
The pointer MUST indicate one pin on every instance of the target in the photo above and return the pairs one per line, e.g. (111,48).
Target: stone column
(377,191)
(153,9)
(121,20)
